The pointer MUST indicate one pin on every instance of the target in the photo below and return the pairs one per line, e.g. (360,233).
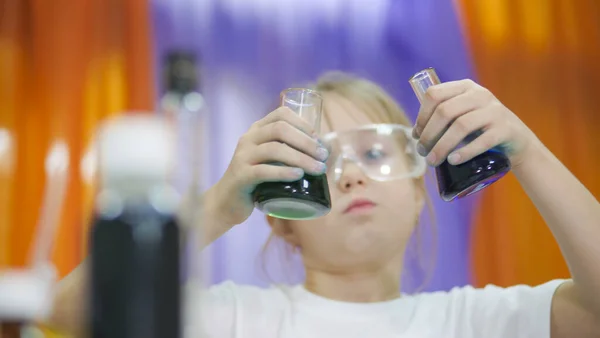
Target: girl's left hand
(453,110)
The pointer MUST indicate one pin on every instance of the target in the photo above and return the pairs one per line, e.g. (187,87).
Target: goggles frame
(420,165)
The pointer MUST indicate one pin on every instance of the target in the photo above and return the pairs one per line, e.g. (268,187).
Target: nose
(351,177)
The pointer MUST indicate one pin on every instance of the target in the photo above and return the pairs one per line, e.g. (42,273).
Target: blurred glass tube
(184,105)
(26,294)
(6,152)
(57,172)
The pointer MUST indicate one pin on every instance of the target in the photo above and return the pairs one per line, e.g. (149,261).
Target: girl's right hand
(280,137)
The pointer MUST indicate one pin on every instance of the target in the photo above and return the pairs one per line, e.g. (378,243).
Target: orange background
(64,66)
(541,58)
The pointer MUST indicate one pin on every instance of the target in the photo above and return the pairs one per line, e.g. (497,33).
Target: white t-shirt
(235,311)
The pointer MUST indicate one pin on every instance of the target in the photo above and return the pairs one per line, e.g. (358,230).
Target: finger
(287,115)
(486,141)
(272,173)
(282,131)
(445,114)
(281,153)
(434,96)
(456,134)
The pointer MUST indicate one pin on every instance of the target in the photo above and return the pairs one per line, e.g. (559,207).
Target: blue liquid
(468,178)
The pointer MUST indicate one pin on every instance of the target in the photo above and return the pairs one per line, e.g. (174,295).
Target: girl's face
(357,238)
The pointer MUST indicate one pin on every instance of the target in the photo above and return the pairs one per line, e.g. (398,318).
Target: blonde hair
(381,108)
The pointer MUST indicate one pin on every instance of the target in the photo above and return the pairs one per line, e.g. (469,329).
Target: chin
(360,219)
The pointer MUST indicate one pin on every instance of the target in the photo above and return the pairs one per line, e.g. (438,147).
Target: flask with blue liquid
(457,181)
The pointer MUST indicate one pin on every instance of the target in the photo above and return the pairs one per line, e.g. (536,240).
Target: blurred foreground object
(145,164)
(183,105)
(26,293)
(135,239)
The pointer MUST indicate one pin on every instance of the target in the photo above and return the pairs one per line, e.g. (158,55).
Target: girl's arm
(573,215)
(453,110)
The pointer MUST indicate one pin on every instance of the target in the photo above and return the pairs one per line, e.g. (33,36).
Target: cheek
(400,201)
(310,233)
(400,193)
(321,237)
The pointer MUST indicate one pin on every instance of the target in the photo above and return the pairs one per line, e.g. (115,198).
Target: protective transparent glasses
(383,152)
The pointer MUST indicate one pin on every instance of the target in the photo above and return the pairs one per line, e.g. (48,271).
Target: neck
(374,285)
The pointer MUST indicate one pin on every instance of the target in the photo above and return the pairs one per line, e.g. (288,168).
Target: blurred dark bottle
(457,181)
(135,238)
(146,162)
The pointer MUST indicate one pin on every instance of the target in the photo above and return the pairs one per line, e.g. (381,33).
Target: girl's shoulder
(469,295)
(510,310)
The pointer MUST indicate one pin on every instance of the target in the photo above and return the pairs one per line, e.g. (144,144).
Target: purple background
(252,49)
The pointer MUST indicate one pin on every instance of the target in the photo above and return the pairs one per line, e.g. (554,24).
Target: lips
(360,204)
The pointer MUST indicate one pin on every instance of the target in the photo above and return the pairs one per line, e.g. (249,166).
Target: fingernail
(322,154)
(416,134)
(320,167)
(431,159)
(297,172)
(453,158)
(421,149)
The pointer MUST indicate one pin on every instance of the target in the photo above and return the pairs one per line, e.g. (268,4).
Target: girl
(354,255)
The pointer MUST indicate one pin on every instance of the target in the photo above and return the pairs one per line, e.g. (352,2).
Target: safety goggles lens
(383,152)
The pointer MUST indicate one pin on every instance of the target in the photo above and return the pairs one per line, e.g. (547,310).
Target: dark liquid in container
(135,285)
(306,198)
(469,177)
(10,329)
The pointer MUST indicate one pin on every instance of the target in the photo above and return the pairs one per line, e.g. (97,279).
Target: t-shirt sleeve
(518,312)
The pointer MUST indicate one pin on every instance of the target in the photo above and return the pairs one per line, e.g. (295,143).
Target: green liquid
(306,198)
